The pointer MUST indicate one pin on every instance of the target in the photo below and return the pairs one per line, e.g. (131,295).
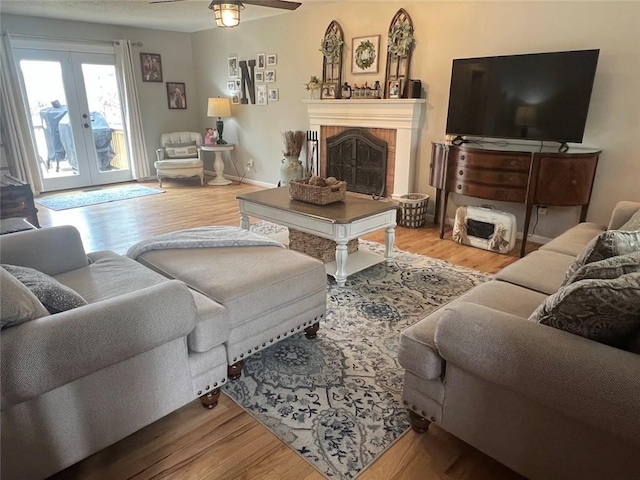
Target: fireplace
(359,158)
(396,121)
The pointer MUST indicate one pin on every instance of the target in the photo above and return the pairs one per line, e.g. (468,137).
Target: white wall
(177,66)
(444,31)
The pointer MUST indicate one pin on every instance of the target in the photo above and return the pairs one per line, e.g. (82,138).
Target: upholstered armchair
(179,156)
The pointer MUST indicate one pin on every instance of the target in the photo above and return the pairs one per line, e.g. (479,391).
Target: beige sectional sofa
(547,403)
(74,382)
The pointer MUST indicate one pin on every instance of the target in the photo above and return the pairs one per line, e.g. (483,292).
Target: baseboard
(248,181)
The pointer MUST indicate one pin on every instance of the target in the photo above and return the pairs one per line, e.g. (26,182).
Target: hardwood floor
(226,443)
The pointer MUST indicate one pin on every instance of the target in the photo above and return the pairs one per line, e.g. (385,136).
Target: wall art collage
(264,79)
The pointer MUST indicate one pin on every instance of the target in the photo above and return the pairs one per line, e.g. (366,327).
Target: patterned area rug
(93,197)
(336,400)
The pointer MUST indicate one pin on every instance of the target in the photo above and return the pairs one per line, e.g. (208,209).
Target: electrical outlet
(542,211)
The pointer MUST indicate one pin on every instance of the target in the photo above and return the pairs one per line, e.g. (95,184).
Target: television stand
(563,148)
(513,173)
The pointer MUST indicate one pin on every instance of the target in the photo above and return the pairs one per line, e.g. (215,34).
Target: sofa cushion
(55,296)
(109,275)
(542,271)
(574,240)
(602,310)
(633,223)
(607,244)
(181,150)
(18,304)
(608,268)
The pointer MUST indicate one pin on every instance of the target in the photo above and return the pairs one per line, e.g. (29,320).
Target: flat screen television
(541,96)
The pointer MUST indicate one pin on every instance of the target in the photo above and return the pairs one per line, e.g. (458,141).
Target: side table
(218,164)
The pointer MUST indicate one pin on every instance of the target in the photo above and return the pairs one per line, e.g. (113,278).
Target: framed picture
(261,94)
(274,95)
(261,61)
(395,88)
(176,96)
(235,100)
(234,69)
(328,90)
(209,136)
(231,85)
(272,60)
(151,67)
(365,52)
(238,84)
(259,76)
(270,76)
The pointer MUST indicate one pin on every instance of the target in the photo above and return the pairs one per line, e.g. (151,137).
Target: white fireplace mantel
(402,115)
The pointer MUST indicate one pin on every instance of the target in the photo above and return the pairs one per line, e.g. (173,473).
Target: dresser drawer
(490,160)
(490,177)
(488,192)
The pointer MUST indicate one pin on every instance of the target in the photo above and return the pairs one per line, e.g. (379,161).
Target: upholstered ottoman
(268,293)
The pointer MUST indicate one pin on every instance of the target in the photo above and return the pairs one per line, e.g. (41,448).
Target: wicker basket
(413,211)
(321,248)
(298,190)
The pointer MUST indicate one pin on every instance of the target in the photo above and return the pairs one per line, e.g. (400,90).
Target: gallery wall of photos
(263,83)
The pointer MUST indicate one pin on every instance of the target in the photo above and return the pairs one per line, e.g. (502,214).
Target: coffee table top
(351,209)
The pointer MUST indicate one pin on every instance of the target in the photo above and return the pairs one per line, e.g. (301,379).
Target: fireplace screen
(360,159)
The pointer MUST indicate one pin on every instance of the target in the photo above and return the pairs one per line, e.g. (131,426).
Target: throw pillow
(602,310)
(18,304)
(608,268)
(633,223)
(607,244)
(55,296)
(181,150)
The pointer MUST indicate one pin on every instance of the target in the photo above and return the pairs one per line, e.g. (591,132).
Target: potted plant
(313,86)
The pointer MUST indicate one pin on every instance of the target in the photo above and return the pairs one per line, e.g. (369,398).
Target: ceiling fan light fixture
(227,15)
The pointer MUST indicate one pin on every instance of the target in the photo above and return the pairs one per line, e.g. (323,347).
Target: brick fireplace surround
(395,121)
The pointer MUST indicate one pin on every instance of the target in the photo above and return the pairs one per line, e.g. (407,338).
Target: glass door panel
(52,130)
(97,73)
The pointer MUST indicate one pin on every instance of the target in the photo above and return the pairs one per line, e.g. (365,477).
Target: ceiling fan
(227,13)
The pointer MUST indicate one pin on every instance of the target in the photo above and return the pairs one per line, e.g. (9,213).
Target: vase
(314,94)
(291,169)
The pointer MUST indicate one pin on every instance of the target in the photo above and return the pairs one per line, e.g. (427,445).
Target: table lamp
(219,107)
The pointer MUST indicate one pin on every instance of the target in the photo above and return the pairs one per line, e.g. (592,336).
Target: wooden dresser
(16,200)
(513,175)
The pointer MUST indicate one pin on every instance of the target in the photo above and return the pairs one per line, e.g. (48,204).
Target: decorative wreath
(365,54)
(331,46)
(401,39)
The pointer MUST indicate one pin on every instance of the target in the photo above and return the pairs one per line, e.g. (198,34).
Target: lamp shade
(219,107)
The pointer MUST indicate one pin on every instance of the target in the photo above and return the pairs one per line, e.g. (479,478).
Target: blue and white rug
(94,197)
(336,400)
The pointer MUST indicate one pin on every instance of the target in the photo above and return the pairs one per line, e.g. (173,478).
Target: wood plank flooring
(227,443)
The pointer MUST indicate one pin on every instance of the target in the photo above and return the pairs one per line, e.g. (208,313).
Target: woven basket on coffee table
(299,190)
(321,248)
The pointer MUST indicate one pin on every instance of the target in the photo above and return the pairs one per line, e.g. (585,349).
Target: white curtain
(21,154)
(133,116)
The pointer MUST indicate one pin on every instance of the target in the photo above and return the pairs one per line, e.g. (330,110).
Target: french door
(75,117)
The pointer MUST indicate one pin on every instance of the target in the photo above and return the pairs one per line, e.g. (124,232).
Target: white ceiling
(182,16)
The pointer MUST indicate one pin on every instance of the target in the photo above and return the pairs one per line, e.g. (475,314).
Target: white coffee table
(340,222)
